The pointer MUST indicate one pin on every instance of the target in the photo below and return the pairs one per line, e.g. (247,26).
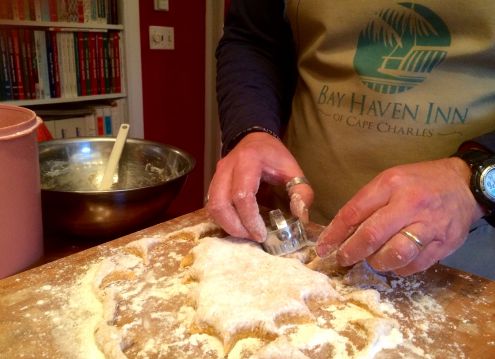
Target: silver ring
(412,238)
(295,181)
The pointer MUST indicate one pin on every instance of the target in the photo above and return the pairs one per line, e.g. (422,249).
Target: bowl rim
(190,159)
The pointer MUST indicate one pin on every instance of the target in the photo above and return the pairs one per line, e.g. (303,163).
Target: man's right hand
(232,194)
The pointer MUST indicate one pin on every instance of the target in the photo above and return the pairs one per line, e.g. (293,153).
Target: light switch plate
(161,38)
(161,5)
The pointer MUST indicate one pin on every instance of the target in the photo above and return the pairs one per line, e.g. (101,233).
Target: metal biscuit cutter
(284,236)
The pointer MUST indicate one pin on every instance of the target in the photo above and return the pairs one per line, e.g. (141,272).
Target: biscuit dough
(196,294)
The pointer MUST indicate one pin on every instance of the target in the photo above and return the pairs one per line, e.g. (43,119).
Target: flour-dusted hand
(232,193)
(406,219)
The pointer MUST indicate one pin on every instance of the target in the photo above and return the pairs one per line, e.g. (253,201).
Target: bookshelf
(104,84)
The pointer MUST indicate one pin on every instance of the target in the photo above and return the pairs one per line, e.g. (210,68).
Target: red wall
(173,89)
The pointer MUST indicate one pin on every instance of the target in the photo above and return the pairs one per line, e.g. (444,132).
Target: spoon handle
(113,161)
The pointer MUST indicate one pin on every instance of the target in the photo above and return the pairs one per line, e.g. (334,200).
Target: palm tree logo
(400,47)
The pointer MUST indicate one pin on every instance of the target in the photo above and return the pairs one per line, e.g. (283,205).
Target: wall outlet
(161,38)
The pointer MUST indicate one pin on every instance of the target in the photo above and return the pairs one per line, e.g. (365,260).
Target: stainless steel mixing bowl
(149,177)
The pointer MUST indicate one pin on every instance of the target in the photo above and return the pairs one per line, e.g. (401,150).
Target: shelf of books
(58,62)
(88,119)
(89,12)
(65,60)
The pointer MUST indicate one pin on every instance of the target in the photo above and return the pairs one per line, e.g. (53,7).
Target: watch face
(488,182)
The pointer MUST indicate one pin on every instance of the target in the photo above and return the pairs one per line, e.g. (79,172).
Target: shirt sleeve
(256,70)
(487,141)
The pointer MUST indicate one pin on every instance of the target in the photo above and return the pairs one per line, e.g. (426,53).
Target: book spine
(9,10)
(87,68)
(45,10)
(80,10)
(122,66)
(55,62)
(81,64)
(100,121)
(102,16)
(21,11)
(53,8)
(20,93)
(91,129)
(11,60)
(72,65)
(111,61)
(107,113)
(62,10)
(101,63)
(32,10)
(37,10)
(61,55)
(94,10)
(31,64)
(25,75)
(15,10)
(87,10)
(7,84)
(3,10)
(51,64)
(93,63)
(72,10)
(77,61)
(42,68)
(116,85)
(113,16)
(106,56)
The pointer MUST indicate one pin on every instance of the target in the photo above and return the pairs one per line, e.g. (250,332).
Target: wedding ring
(295,181)
(412,238)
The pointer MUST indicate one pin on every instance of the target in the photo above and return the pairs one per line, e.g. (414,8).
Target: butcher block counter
(40,307)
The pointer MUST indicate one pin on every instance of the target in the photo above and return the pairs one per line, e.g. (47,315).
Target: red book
(81,64)
(116,63)
(56,72)
(21,9)
(9,11)
(32,10)
(86,63)
(100,122)
(93,63)
(101,63)
(19,86)
(80,10)
(52,6)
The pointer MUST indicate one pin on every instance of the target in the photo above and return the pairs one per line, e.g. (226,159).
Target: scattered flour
(225,298)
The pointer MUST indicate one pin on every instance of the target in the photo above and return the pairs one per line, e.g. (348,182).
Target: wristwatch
(482,182)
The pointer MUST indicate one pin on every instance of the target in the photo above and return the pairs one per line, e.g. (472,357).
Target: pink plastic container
(21,232)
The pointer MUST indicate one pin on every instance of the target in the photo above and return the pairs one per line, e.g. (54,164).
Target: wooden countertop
(467,301)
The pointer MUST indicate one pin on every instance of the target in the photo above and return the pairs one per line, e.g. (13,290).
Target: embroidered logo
(400,47)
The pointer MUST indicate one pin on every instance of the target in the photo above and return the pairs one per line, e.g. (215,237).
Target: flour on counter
(190,294)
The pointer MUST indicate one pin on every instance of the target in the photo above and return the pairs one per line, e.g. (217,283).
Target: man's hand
(430,200)
(232,194)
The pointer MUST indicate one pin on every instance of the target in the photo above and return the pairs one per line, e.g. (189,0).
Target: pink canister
(21,234)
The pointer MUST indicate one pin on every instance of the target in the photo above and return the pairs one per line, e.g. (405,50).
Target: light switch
(161,38)
(161,5)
